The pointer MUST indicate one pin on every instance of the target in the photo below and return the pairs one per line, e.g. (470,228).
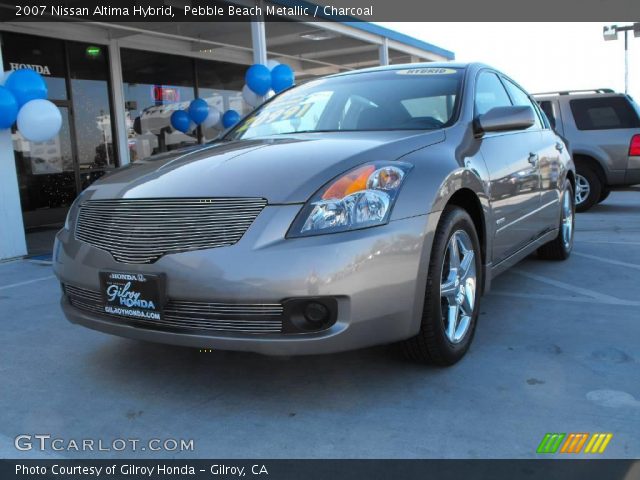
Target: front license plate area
(133,295)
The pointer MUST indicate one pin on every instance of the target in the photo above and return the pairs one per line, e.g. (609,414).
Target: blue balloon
(180,120)
(198,110)
(26,85)
(230,118)
(282,77)
(8,108)
(258,78)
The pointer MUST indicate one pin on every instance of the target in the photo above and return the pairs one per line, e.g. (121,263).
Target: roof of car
(404,66)
(573,94)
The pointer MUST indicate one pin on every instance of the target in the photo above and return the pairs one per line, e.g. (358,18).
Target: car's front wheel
(452,295)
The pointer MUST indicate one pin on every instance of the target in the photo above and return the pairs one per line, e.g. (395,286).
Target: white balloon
(269,94)
(251,97)
(5,76)
(39,120)
(271,64)
(213,119)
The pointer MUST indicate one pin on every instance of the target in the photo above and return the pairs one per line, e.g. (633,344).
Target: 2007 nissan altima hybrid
(364,208)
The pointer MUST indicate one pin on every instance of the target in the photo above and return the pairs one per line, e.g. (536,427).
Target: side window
(521,99)
(490,93)
(547,108)
(543,117)
(604,113)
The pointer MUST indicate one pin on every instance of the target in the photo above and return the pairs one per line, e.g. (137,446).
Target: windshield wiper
(308,131)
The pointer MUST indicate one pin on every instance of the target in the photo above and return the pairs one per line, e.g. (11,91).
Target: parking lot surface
(556,350)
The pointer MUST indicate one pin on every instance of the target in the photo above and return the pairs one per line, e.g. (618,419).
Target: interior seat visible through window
(371,118)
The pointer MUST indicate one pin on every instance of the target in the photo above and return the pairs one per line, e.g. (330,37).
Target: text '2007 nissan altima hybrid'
(359,209)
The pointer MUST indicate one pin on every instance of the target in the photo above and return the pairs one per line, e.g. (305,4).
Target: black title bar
(319,469)
(320,10)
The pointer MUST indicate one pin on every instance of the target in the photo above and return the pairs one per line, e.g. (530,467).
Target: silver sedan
(359,209)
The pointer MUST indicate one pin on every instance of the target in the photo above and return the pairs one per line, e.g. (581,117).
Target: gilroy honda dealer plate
(133,295)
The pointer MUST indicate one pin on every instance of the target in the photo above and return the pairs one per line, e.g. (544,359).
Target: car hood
(281,169)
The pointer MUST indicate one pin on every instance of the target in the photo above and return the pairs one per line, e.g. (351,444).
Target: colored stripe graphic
(551,442)
(574,443)
(598,443)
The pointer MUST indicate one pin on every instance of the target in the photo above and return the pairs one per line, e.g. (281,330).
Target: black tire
(595,187)
(431,344)
(560,247)
(603,195)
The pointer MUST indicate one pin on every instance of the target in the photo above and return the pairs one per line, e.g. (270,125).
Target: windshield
(407,99)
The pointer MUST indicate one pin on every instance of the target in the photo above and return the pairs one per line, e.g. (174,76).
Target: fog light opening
(316,313)
(309,315)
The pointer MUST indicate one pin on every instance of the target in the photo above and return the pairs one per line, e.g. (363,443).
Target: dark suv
(602,129)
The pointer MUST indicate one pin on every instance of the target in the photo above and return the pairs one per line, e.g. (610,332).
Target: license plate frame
(133,295)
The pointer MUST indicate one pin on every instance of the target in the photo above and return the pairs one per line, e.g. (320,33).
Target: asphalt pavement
(557,350)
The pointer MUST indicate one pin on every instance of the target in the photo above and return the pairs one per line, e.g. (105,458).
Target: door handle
(559,147)
(533,158)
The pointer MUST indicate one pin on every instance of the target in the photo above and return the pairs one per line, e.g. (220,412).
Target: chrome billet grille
(143,230)
(192,316)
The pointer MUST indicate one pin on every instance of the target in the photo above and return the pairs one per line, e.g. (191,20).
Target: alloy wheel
(458,286)
(582,189)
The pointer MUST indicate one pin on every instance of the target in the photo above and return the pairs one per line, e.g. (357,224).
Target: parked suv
(602,129)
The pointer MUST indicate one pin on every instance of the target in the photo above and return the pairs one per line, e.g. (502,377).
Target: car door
(547,147)
(514,179)
(555,151)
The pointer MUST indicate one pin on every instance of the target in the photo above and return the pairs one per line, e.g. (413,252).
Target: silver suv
(602,129)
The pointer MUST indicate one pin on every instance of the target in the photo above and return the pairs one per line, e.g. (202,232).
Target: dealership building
(116,85)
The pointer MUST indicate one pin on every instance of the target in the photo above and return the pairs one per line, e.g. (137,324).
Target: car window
(604,113)
(301,113)
(521,99)
(438,107)
(547,108)
(635,106)
(353,108)
(546,123)
(543,117)
(421,98)
(490,93)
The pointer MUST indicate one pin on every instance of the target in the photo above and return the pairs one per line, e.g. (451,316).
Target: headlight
(360,198)
(67,221)
(71,214)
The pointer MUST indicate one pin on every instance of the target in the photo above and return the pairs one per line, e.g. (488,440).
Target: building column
(12,239)
(383,50)
(117,100)
(259,39)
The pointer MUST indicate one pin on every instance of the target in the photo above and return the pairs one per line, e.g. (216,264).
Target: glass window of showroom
(52,173)
(157,84)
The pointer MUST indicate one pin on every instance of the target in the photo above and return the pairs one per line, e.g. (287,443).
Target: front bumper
(377,275)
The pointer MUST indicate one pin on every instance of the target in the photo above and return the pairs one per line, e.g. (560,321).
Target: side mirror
(502,119)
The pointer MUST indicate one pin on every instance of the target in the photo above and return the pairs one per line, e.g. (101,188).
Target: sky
(539,56)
